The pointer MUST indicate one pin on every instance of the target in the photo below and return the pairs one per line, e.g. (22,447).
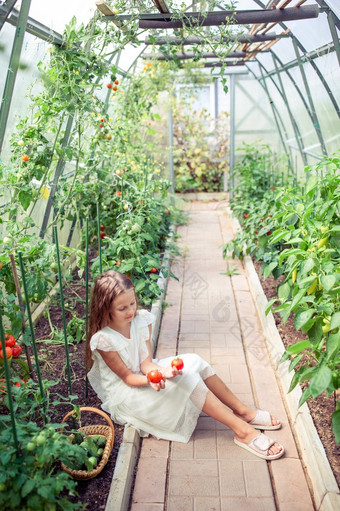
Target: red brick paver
(213,314)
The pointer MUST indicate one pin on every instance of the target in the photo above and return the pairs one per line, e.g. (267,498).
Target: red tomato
(102,235)
(18,384)
(114,88)
(154,270)
(167,212)
(178,363)
(246,215)
(118,263)
(9,340)
(25,157)
(8,352)
(16,351)
(101,125)
(102,227)
(116,82)
(118,194)
(155,376)
(109,86)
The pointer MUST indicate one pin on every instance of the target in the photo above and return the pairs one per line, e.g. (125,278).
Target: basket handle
(95,410)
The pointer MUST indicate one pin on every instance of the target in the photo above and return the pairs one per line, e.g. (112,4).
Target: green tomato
(7,240)
(41,439)
(30,446)
(2,487)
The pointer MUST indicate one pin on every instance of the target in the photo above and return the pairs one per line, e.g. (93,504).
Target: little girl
(119,359)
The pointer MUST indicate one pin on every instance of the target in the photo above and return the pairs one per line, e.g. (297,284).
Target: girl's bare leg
(243,431)
(221,391)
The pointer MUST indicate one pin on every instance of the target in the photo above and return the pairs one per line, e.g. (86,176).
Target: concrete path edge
(121,484)
(324,486)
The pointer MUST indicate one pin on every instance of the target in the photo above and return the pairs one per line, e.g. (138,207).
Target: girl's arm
(116,364)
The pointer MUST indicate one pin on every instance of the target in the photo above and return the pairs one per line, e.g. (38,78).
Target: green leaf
(297,298)
(298,347)
(335,321)
(328,281)
(283,291)
(332,345)
(320,381)
(305,395)
(27,487)
(311,183)
(306,282)
(279,236)
(315,333)
(336,425)
(139,285)
(269,268)
(269,305)
(302,318)
(295,362)
(307,265)
(294,382)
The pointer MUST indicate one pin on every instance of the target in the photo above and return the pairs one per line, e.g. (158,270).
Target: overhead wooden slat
(106,10)
(222,17)
(284,4)
(161,6)
(191,55)
(243,38)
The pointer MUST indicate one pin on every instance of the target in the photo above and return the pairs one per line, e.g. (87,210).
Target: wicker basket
(107,431)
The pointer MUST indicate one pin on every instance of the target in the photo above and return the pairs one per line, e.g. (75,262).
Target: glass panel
(328,118)
(335,6)
(254,120)
(33,51)
(312,33)
(58,14)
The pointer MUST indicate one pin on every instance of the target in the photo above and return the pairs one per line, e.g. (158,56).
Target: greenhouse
(169,255)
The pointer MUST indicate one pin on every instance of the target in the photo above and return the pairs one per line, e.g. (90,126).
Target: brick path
(213,314)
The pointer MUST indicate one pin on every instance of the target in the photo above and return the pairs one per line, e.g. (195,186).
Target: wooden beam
(227,64)
(161,6)
(191,55)
(157,21)
(106,10)
(244,38)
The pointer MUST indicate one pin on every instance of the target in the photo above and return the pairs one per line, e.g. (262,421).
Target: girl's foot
(260,419)
(261,445)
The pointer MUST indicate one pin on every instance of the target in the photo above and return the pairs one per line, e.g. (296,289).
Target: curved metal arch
(295,127)
(308,109)
(277,118)
(304,51)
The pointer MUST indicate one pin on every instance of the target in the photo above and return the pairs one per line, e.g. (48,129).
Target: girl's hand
(157,386)
(171,372)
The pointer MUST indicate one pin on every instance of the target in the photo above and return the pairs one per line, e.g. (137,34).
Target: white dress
(171,413)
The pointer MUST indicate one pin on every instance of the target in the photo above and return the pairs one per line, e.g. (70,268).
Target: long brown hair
(107,287)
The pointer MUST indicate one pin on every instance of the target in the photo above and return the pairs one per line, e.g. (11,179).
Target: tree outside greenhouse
(119,122)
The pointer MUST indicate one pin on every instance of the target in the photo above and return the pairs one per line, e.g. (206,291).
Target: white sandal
(260,446)
(263,420)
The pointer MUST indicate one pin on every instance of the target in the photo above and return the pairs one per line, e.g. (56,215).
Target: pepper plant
(301,241)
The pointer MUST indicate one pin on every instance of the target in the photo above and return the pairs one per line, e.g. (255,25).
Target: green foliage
(299,238)
(200,152)
(30,477)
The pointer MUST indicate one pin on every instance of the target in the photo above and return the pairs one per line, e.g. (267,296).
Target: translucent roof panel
(56,15)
